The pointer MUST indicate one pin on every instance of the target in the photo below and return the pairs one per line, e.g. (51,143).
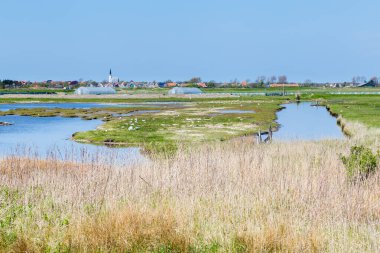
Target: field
(216,196)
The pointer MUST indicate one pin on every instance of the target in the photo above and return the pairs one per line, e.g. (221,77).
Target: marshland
(189,126)
(201,183)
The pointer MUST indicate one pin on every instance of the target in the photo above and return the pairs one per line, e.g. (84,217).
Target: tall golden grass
(235,196)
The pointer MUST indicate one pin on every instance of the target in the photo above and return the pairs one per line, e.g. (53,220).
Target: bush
(360,163)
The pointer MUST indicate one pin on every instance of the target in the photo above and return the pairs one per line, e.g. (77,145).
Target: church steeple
(110,77)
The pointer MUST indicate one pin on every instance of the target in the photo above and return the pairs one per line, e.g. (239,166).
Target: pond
(49,137)
(303,121)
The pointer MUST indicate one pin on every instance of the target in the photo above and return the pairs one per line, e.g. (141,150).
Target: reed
(235,196)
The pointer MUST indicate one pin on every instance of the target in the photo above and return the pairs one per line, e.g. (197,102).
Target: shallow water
(305,122)
(49,137)
(236,111)
(141,112)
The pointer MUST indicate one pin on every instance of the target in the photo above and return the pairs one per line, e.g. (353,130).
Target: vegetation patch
(361,162)
(194,124)
(358,108)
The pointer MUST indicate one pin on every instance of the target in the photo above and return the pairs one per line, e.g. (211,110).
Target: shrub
(360,163)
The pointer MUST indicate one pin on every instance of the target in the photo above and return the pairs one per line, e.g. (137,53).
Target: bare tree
(282,79)
(195,80)
(354,81)
(272,79)
(308,82)
(359,79)
(375,80)
(260,79)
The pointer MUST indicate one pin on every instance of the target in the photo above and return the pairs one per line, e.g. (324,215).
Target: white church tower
(110,79)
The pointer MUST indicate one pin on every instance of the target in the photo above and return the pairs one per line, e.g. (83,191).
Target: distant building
(172,84)
(95,91)
(371,83)
(113,79)
(161,84)
(110,77)
(183,90)
(277,85)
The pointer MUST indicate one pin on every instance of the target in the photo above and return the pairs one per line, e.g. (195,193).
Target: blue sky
(321,40)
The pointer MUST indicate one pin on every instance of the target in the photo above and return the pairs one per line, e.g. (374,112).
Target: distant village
(114,82)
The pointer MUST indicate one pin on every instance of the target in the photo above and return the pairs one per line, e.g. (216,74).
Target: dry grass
(127,230)
(230,197)
(280,238)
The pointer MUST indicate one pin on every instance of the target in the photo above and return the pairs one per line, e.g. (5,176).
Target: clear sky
(321,40)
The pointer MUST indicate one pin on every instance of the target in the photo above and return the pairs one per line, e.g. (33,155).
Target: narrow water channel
(303,121)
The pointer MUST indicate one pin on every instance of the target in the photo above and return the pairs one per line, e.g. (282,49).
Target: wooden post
(259,137)
(270,133)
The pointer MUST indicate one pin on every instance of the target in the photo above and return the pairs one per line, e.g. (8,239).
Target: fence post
(270,133)
(259,137)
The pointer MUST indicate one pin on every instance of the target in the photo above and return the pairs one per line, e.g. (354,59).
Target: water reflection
(305,122)
(49,137)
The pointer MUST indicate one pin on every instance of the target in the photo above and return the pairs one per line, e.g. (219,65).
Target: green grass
(361,108)
(197,123)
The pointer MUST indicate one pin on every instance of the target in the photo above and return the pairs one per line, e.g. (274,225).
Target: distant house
(371,83)
(202,85)
(277,85)
(183,90)
(172,84)
(95,91)
(161,84)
